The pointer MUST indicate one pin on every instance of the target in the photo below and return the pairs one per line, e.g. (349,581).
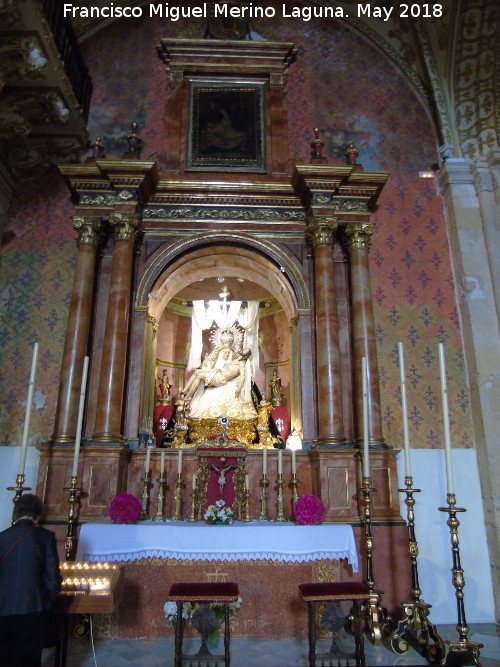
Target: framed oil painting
(226,127)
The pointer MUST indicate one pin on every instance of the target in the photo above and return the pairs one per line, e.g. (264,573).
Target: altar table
(256,540)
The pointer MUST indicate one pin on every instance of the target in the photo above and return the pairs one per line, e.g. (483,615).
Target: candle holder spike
(280,482)
(145,496)
(18,488)
(178,498)
(463,651)
(73,512)
(377,622)
(263,516)
(414,628)
(160,515)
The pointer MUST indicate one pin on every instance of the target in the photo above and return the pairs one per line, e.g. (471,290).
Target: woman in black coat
(29,584)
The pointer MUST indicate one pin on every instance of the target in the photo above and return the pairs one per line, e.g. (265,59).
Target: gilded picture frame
(226,127)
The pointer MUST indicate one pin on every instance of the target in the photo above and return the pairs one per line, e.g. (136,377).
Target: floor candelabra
(18,488)
(463,651)
(376,620)
(73,512)
(415,628)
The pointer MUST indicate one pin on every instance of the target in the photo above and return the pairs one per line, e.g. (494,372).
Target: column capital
(320,231)
(125,225)
(358,235)
(89,229)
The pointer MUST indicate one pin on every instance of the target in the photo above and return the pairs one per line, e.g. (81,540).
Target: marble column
(148,380)
(357,236)
(77,333)
(114,353)
(328,381)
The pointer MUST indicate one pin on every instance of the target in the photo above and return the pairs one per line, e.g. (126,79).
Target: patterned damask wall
(339,84)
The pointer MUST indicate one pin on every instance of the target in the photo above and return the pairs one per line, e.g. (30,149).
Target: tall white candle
(179,462)
(280,461)
(406,439)
(148,459)
(264,462)
(247,481)
(366,447)
(162,462)
(294,463)
(31,386)
(78,437)
(446,419)
(194,481)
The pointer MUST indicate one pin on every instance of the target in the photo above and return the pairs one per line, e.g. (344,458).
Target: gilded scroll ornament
(358,235)
(125,225)
(320,231)
(89,229)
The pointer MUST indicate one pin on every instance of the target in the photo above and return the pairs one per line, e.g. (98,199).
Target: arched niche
(172,268)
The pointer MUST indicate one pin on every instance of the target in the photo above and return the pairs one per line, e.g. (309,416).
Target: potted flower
(308,510)
(125,508)
(219,514)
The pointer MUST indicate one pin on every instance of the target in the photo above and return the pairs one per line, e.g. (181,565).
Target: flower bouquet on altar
(206,618)
(308,510)
(219,514)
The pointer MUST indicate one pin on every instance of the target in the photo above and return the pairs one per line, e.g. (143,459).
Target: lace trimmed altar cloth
(255,540)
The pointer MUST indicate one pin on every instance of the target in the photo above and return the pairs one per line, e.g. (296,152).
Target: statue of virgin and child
(222,385)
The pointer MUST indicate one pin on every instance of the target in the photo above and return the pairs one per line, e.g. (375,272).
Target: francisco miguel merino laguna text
(218,10)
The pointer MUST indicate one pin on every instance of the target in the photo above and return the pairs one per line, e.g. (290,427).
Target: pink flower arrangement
(308,510)
(125,508)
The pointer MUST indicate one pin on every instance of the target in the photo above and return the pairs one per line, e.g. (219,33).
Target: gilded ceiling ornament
(320,231)
(125,225)
(89,228)
(358,235)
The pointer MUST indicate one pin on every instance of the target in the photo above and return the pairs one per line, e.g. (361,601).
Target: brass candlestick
(160,516)
(294,483)
(263,516)
(280,482)
(415,628)
(145,496)
(192,516)
(73,511)
(377,620)
(19,488)
(178,499)
(462,652)
(247,507)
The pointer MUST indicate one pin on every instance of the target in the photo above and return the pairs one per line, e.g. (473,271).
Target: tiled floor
(252,652)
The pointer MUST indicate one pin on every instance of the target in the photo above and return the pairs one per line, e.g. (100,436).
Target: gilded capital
(125,225)
(89,229)
(320,231)
(358,235)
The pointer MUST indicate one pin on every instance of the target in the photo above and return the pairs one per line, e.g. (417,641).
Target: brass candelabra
(415,628)
(247,507)
(160,515)
(192,516)
(178,498)
(463,651)
(145,495)
(263,516)
(73,512)
(377,621)
(280,482)
(19,488)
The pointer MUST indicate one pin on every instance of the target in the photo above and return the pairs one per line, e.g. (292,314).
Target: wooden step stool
(202,593)
(354,592)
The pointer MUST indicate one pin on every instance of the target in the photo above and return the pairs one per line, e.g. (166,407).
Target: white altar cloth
(256,540)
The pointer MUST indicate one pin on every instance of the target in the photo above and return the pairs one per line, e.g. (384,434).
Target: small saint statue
(275,386)
(97,148)
(180,412)
(222,470)
(164,388)
(265,409)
